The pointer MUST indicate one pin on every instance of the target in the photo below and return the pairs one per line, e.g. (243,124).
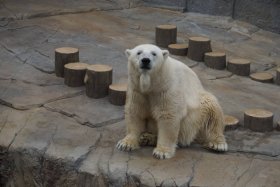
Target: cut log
(262,77)
(99,77)
(63,56)
(215,60)
(258,120)
(277,80)
(239,67)
(178,49)
(278,126)
(74,74)
(117,94)
(198,46)
(231,123)
(165,35)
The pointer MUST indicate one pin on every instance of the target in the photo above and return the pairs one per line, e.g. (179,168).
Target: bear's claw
(163,152)
(127,145)
(220,147)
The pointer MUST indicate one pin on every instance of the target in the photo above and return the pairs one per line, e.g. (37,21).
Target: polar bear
(166,98)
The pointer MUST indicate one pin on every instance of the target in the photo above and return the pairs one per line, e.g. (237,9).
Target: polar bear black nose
(146,61)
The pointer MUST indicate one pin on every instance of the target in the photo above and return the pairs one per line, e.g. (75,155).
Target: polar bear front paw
(161,152)
(220,147)
(128,144)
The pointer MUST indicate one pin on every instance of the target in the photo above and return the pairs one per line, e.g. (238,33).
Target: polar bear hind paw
(163,152)
(127,144)
(219,147)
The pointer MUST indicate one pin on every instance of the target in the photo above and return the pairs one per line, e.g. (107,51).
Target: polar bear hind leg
(212,130)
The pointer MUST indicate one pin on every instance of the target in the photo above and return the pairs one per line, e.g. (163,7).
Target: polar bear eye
(154,54)
(139,52)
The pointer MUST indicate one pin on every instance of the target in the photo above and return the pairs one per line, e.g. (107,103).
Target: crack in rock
(243,173)
(14,138)
(79,120)
(32,106)
(193,170)
(83,157)
(222,77)
(29,82)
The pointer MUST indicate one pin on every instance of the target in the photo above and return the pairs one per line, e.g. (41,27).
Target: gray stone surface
(53,135)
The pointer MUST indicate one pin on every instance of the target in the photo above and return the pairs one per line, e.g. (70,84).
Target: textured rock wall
(262,13)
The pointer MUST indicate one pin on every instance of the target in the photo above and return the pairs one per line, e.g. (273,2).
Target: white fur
(171,98)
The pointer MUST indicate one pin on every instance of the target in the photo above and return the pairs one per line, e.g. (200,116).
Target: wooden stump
(215,60)
(165,35)
(74,74)
(277,80)
(99,77)
(231,123)
(178,49)
(262,77)
(117,94)
(258,120)
(197,47)
(239,66)
(63,56)
(278,126)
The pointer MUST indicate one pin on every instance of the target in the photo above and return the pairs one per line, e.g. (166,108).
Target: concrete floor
(53,135)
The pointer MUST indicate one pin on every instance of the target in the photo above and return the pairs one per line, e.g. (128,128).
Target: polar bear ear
(127,53)
(165,54)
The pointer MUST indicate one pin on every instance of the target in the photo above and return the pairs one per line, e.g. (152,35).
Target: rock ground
(53,135)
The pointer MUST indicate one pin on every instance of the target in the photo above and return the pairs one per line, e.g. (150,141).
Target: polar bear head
(146,58)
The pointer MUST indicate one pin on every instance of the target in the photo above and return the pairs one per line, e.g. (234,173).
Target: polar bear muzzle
(145,63)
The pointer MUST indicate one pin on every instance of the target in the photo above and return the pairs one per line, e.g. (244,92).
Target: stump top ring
(215,54)
(261,76)
(67,50)
(239,61)
(119,87)
(259,113)
(76,65)
(199,39)
(230,120)
(178,46)
(166,27)
(99,67)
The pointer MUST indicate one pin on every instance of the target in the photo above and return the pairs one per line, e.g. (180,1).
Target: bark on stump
(117,94)
(74,74)
(215,60)
(277,80)
(178,49)
(63,56)
(165,35)
(278,126)
(262,77)
(198,46)
(231,123)
(258,120)
(239,67)
(98,78)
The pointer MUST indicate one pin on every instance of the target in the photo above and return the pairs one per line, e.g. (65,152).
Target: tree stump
(277,80)
(262,77)
(197,47)
(99,77)
(165,35)
(215,60)
(239,67)
(278,126)
(117,94)
(258,120)
(63,56)
(178,49)
(74,74)
(231,123)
